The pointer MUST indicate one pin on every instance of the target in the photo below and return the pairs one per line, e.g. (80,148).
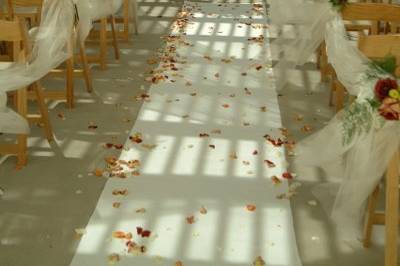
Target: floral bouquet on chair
(387,99)
(359,117)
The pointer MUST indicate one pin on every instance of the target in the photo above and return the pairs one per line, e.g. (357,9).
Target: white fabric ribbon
(363,160)
(50,49)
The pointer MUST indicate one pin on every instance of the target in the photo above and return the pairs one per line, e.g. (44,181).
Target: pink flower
(383,86)
(390,109)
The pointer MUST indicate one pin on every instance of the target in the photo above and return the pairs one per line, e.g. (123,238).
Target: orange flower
(390,109)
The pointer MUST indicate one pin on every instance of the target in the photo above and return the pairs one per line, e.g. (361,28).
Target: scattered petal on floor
(190,219)
(203,210)
(141,210)
(276,180)
(259,261)
(113,258)
(251,207)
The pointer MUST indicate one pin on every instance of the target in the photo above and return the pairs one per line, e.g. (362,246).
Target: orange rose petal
(251,207)
(203,210)
(190,219)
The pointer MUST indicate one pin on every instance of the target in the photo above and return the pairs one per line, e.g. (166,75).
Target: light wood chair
(31,10)
(15,33)
(129,10)
(101,37)
(382,18)
(375,47)
(390,218)
(124,20)
(69,71)
(378,47)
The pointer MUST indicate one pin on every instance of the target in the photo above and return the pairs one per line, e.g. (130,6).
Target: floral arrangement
(359,117)
(387,99)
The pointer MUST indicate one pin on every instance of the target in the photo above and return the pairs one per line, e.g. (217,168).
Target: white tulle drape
(91,10)
(50,48)
(362,161)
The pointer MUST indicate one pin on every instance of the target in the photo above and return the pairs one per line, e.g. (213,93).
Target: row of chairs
(376,40)
(16,31)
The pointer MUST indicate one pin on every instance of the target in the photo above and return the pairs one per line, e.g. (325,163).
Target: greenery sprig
(385,66)
(338,4)
(358,117)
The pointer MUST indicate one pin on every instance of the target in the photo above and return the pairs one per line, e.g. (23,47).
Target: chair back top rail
(371,12)
(13,4)
(15,32)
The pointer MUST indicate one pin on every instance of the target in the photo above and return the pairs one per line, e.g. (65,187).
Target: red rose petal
(287,175)
(270,163)
(146,233)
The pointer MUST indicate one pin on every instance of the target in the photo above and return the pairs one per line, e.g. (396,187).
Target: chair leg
(126,20)
(340,90)
(319,55)
(103,43)
(392,211)
(85,65)
(22,139)
(323,63)
(135,16)
(332,90)
(114,36)
(70,82)
(44,113)
(22,157)
(372,201)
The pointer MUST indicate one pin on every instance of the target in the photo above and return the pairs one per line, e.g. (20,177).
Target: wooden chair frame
(15,32)
(102,36)
(124,20)
(374,47)
(69,72)
(378,47)
(391,216)
(376,13)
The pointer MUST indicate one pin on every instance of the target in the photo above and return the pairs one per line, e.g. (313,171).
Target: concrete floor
(44,202)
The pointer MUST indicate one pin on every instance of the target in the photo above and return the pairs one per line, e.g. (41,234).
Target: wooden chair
(32,10)
(129,10)
(391,216)
(69,71)
(124,20)
(377,14)
(375,47)
(15,33)
(378,47)
(101,36)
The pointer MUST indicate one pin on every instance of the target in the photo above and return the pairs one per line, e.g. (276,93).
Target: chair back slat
(32,15)
(27,3)
(15,33)
(10,31)
(380,46)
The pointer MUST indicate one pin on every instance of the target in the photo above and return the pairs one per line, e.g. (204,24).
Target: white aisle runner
(204,192)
